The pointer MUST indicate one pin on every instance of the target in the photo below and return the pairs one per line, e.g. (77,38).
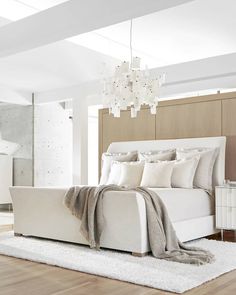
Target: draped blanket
(86,203)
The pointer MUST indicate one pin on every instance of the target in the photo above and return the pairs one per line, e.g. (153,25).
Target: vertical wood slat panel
(229,130)
(212,115)
(229,117)
(189,120)
(230,158)
(126,128)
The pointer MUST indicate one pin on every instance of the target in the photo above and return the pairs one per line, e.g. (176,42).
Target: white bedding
(185,204)
(191,210)
(43,215)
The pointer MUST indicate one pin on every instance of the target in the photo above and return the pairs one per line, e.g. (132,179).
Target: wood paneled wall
(189,120)
(210,115)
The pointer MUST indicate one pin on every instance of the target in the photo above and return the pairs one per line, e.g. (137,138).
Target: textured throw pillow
(204,171)
(157,174)
(131,174)
(154,156)
(108,158)
(184,172)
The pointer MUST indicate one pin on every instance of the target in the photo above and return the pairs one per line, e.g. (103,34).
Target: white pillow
(108,158)
(154,156)
(131,174)
(157,174)
(114,176)
(184,172)
(204,171)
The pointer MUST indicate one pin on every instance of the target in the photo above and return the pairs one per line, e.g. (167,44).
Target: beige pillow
(108,158)
(204,171)
(157,174)
(184,172)
(154,156)
(131,174)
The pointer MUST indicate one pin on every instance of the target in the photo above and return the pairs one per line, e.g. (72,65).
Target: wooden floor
(21,277)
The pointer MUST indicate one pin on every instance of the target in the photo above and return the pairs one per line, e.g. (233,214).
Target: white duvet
(185,204)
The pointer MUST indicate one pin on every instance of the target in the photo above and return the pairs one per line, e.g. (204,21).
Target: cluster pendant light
(131,87)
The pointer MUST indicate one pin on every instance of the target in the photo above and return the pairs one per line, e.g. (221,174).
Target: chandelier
(131,87)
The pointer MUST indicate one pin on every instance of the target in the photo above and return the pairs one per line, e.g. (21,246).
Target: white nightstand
(225,208)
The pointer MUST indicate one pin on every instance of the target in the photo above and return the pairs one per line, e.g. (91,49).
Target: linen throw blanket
(86,203)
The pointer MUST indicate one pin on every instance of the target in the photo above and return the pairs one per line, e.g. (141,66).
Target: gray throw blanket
(86,203)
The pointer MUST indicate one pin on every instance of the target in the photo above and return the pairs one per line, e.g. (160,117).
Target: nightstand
(225,208)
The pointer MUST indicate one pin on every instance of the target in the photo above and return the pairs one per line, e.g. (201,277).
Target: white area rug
(147,271)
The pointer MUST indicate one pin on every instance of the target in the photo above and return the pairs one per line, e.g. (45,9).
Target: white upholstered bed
(40,211)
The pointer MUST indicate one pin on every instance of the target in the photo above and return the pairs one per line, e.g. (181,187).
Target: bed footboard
(40,212)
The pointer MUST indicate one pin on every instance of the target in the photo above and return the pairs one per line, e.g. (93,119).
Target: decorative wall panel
(202,116)
(229,129)
(127,128)
(189,120)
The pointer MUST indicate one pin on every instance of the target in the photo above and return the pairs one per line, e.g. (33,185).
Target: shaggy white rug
(147,271)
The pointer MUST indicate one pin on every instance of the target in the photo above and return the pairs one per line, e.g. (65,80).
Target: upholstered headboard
(211,142)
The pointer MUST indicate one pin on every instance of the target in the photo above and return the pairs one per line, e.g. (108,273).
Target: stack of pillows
(180,168)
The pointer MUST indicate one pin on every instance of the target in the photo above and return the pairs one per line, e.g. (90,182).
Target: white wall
(80,140)
(52,145)
(93,144)
(16,126)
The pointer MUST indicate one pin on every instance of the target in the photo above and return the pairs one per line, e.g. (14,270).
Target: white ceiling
(196,30)
(57,65)
(18,9)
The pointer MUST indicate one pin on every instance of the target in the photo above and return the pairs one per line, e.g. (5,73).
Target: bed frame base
(136,254)
(39,212)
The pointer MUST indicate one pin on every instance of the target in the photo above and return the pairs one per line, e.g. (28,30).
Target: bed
(40,211)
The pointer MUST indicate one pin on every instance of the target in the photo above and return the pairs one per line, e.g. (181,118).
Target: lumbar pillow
(131,174)
(108,158)
(204,171)
(154,156)
(157,174)
(184,172)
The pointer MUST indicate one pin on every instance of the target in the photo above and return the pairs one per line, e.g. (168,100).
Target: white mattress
(185,204)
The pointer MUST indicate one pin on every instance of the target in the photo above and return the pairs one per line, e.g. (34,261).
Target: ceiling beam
(83,91)
(210,73)
(72,18)
(8,95)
